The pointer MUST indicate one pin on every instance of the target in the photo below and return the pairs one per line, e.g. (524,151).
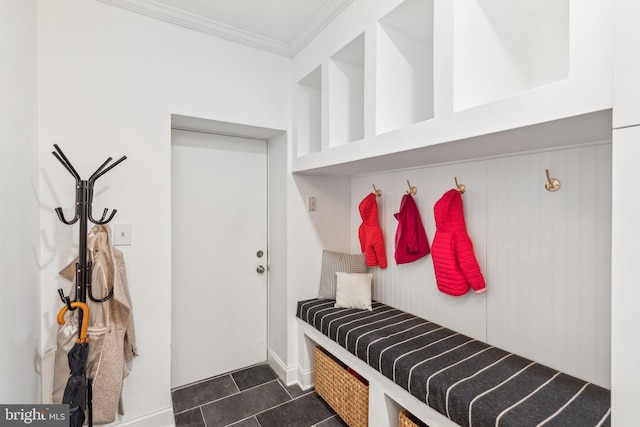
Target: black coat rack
(83,214)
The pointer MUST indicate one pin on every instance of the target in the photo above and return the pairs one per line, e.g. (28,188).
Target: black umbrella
(75,391)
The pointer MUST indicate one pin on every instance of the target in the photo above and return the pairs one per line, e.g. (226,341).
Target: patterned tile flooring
(252,397)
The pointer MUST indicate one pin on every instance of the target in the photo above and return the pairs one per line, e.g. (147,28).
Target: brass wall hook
(375,190)
(412,190)
(552,184)
(459,187)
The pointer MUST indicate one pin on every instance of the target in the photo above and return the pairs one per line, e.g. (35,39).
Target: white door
(219,242)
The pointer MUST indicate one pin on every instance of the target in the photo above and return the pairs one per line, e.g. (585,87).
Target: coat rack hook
(552,184)
(412,190)
(378,192)
(65,300)
(460,187)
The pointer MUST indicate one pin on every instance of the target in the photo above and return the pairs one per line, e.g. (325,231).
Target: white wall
(544,256)
(625,318)
(626,88)
(109,81)
(278,310)
(308,233)
(19,216)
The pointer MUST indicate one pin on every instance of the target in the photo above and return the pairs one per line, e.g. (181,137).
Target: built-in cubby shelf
(391,409)
(406,83)
(308,101)
(346,93)
(505,47)
(404,66)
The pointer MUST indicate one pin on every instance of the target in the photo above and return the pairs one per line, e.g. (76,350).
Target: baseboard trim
(290,376)
(305,378)
(161,418)
(285,373)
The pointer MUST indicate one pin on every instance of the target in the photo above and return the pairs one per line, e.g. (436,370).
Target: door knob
(260,269)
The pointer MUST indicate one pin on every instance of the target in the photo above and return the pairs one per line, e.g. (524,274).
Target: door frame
(264,135)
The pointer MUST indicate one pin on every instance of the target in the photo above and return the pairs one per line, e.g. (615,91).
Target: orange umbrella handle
(85,319)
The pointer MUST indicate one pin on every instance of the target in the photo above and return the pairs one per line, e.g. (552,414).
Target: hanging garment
(454,262)
(111,330)
(411,239)
(370,233)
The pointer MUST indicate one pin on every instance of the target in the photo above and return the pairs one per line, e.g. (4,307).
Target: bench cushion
(468,381)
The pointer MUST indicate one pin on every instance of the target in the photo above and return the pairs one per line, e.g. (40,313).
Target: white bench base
(385,397)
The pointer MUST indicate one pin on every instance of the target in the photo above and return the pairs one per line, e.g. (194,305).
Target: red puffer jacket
(411,239)
(454,262)
(370,233)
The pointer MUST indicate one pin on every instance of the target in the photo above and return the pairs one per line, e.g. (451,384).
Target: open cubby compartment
(308,102)
(342,388)
(506,47)
(389,412)
(391,409)
(404,66)
(346,93)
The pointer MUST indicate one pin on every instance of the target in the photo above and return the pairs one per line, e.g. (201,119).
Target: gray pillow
(333,262)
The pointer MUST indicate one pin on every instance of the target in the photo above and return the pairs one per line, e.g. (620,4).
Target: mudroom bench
(409,361)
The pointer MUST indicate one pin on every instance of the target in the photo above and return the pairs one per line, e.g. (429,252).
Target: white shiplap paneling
(544,255)
(412,287)
(550,266)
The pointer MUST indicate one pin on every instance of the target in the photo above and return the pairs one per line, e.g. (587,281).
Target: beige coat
(111,330)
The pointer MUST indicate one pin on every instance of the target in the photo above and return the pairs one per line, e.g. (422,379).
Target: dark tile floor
(252,397)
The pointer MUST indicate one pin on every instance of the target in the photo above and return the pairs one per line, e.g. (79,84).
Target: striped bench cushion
(468,381)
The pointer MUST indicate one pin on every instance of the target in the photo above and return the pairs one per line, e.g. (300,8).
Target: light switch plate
(312,204)
(122,234)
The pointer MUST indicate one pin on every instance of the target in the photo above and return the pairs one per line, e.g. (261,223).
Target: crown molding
(195,22)
(189,20)
(327,14)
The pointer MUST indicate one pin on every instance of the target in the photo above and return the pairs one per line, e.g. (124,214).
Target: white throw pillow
(353,290)
(333,262)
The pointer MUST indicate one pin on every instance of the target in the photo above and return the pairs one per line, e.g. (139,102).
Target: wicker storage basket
(341,389)
(406,419)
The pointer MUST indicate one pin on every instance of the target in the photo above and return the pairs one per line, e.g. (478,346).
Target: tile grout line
(242,420)
(236,384)
(251,388)
(240,392)
(291,398)
(202,415)
(255,416)
(205,403)
(327,419)
(285,389)
(229,395)
(217,376)
(280,404)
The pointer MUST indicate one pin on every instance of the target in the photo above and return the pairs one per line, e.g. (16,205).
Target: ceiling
(283,27)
